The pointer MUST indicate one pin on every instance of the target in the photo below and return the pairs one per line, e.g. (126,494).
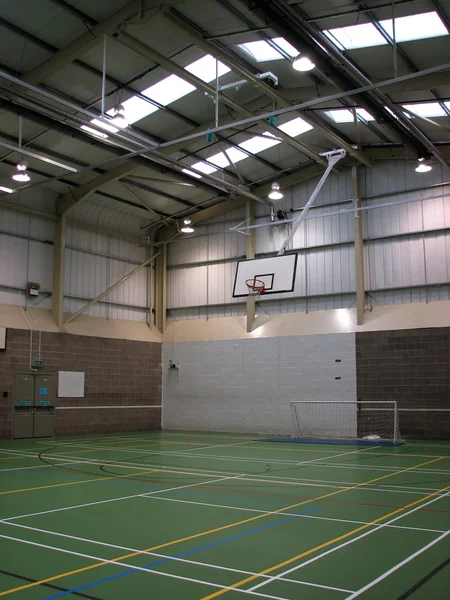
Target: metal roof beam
(94,36)
(186,29)
(86,190)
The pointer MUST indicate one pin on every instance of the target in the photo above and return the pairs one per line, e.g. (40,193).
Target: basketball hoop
(256,287)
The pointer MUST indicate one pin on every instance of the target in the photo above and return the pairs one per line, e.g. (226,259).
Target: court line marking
(325,544)
(167,556)
(222,528)
(120,564)
(397,566)
(243,508)
(323,462)
(359,537)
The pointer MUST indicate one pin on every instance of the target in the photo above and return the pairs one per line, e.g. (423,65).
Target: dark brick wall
(413,367)
(117,372)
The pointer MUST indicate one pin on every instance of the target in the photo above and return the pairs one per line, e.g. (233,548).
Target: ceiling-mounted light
(21,174)
(6,189)
(187,227)
(302,63)
(120,117)
(275,193)
(423,166)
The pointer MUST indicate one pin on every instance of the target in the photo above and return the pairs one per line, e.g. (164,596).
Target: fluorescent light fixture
(427,109)
(191,173)
(6,189)
(415,27)
(275,193)
(103,125)
(356,36)
(261,51)
(295,127)
(92,131)
(187,227)
(423,166)
(346,116)
(302,63)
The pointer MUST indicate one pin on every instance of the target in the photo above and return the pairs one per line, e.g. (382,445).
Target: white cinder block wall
(246,385)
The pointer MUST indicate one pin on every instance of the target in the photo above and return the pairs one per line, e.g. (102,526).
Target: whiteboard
(70,384)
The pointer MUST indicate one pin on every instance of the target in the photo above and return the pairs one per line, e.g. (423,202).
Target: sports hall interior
(211,212)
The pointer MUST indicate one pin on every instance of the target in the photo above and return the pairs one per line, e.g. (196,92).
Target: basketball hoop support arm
(333,157)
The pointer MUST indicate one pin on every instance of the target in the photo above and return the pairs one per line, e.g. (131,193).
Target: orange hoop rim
(256,287)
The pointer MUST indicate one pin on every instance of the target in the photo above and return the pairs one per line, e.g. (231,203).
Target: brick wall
(117,372)
(412,367)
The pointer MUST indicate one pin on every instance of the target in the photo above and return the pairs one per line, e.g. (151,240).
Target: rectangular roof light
(205,68)
(295,127)
(92,131)
(259,143)
(345,115)
(415,27)
(356,36)
(427,109)
(261,51)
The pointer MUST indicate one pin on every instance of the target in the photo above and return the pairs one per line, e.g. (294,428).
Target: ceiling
(66,60)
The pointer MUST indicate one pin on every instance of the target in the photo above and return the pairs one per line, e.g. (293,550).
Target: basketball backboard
(277,273)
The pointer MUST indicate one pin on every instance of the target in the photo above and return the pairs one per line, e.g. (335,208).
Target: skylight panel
(259,143)
(415,27)
(345,115)
(295,127)
(261,51)
(221,160)
(204,168)
(191,173)
(135,109)
(205,68)
(427,109)
(168,90)
(286,46)
(356,36)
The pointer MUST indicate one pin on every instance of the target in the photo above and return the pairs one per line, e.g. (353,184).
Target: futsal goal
(345,420)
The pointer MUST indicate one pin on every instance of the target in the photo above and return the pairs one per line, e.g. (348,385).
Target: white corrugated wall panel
(330,271)
(14,260)
(437,252)
(187,287)
(395,263)
(40,265)
(188,250)
(134,290)
(86,275)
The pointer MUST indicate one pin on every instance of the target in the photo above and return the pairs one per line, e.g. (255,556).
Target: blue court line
(180,555)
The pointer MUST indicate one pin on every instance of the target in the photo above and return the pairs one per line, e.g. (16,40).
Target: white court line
(268,512)
(136,568)
(397,566)
(218,473)
(181,487)
(167,556)
(251,459)
(349,542)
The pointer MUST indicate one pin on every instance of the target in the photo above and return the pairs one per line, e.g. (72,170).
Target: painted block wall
(245,385)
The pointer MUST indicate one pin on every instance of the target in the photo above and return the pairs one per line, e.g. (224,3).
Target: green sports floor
(162,515)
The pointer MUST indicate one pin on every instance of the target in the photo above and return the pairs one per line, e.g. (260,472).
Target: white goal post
(345,420)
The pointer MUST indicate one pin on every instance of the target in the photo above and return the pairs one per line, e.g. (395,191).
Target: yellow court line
(339,538)
(203,533)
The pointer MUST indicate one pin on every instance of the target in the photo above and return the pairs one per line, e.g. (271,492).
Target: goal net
(345,420)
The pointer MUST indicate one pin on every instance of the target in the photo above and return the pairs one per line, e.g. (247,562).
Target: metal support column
(359,249)
(250,253)
(59,249)
(161,289)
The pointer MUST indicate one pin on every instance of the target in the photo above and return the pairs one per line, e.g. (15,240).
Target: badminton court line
(378,526)
(222,528)
(310,551)
(167,556)
(397,566)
